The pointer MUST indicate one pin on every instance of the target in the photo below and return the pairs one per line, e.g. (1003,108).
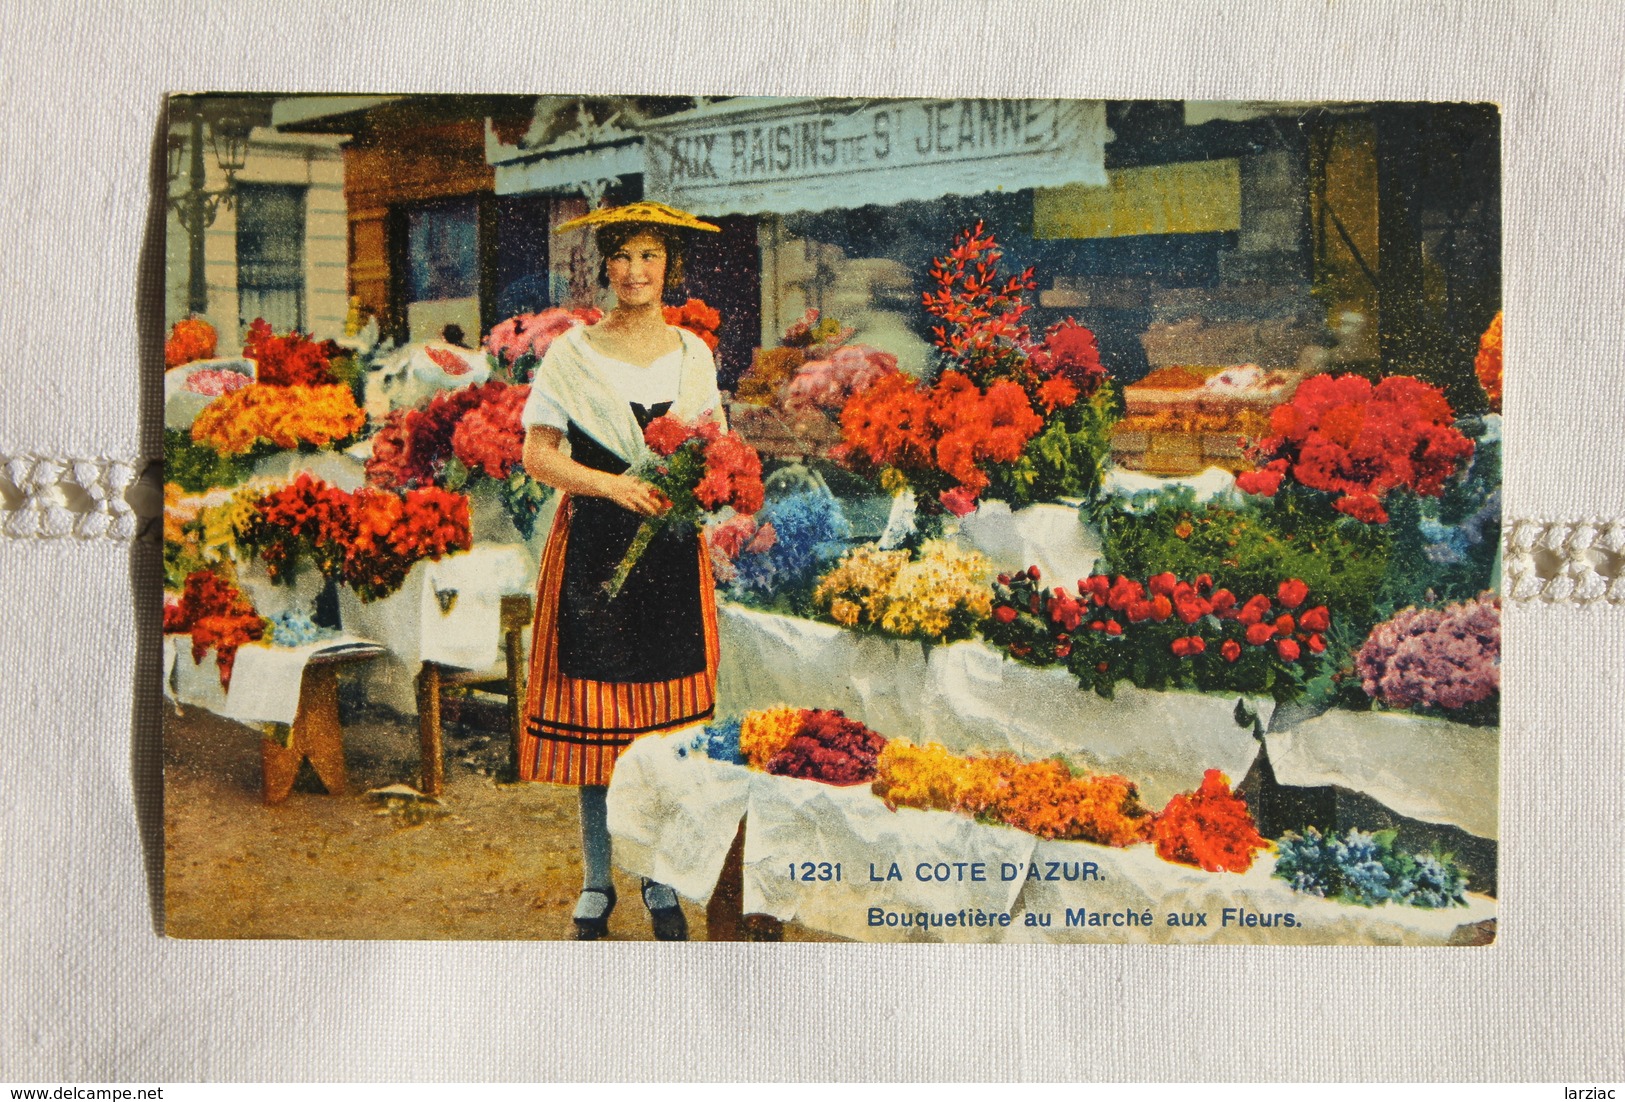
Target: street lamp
(197,206)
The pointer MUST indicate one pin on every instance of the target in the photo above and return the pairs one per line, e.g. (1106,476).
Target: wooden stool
(316,732)
(434,677)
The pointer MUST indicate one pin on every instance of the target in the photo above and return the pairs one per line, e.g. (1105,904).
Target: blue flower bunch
(1363,868)
(718,741)
(811,532)
(295,628)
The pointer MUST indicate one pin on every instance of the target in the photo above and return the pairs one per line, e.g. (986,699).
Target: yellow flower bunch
(942,594)
(945,591)
(762,734)
(855,591)
(283,416)
(1043,797)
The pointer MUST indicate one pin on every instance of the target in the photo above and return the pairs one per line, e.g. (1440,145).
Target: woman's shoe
(669,923)
(596,926)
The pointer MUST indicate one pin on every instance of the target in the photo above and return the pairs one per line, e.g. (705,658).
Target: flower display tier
(673,814)
(1425,768)
(1050,537)
(342,470)
(967,696)
(188,389)
(265,685)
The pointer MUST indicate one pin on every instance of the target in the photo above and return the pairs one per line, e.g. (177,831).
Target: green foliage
(1249,547)
(1067,459)
(198,468)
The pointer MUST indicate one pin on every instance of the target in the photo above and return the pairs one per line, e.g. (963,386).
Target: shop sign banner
(878,522)
(782,156)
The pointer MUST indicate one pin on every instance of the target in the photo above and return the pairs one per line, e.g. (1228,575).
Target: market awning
(758,156)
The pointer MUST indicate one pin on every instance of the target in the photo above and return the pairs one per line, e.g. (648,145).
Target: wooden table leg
(316,735)
(514,644)
(432,766)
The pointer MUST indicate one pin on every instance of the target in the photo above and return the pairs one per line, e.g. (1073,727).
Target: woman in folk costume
(605,671)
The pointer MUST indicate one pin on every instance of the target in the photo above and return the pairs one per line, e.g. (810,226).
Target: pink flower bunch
(532,334)
(214,382)
(827,384)
(1435,657)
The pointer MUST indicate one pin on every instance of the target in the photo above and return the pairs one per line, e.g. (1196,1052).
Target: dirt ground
(490,861)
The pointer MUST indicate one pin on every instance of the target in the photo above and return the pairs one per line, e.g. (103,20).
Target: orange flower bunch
(1210,828)
(280,416)
(189,339)
(1043,798)
(762,734)
(1487,364)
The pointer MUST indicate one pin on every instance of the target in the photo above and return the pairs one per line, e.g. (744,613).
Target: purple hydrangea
(1435,657)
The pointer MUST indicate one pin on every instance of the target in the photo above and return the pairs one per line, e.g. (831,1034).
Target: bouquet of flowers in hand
(698,468)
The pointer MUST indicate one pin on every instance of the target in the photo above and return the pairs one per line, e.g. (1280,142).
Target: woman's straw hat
(645,212)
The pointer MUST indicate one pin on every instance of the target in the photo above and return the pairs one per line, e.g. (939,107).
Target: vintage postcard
(672,518)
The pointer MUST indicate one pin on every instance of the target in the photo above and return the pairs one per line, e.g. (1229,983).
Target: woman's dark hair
(613,236)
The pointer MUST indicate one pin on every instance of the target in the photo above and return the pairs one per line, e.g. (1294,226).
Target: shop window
(443,254)
(271,255)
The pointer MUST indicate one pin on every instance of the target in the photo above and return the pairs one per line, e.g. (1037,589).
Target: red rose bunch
(830,748)
(189,339)
(1342,435)
(218,616)
(699,469)
(1210,828)
(1163,633)
(698,318)
(291,360)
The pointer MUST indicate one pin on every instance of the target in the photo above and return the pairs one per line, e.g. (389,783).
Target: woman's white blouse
(644,386)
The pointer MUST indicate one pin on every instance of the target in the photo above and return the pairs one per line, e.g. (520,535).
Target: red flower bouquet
(218,616)
(291,360)
(472,432)
(699,469)
(369,539)
(1022,419)
(1210,828)
(189,339)
(1342,435)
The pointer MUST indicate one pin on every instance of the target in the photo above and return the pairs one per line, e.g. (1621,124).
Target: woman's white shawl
(569,373)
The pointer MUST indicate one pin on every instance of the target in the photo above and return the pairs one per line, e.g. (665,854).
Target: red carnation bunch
(1210,828)
(218,616)
(830,748)
(1342,435)
(291,360)
(478,425)
(700,469)
(698,318)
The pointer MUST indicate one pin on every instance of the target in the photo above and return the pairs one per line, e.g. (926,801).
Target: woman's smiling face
(637,270)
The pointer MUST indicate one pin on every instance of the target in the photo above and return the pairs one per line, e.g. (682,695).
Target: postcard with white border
(941,520)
